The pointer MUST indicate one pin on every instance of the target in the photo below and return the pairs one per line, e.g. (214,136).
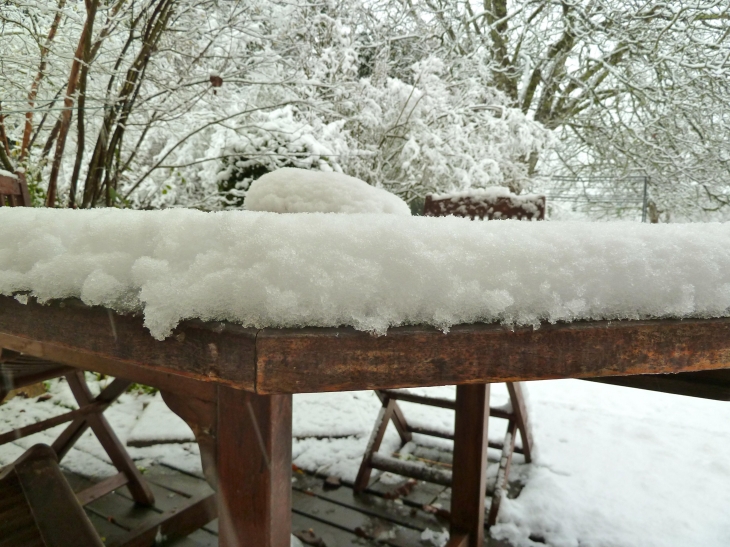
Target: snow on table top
(4,173)
(290,190)
(370,271)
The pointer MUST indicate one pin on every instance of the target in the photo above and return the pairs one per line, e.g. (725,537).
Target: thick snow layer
(4,173)
(292,190)
(368,271)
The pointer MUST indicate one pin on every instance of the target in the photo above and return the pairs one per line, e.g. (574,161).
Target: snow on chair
(19,371)
(489,203)
(492,203)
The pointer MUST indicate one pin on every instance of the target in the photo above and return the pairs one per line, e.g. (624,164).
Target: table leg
(254,469)
(470,465)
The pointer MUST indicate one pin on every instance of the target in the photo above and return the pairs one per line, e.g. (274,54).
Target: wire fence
(601,197)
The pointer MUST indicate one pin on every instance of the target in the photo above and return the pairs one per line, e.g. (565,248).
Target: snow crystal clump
(369,271)
(292,190)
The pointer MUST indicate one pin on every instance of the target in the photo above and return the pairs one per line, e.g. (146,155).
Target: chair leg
(517,422)
(78,427)
(520,411)
(376,438)
(399,420)
(139,489)
(500,486)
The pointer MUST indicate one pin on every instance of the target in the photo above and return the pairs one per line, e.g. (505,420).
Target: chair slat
(57,519)
(17,528)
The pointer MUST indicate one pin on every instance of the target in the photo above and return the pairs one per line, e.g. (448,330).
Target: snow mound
(369,271)
(4,173)
(292,190)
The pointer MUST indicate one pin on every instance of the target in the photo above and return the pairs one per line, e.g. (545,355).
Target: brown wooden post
(254,469)
(468,487)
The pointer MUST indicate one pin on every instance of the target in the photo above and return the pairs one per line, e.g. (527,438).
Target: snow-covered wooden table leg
(469,485)
(254,469)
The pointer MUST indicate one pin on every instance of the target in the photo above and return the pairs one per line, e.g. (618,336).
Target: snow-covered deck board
(333,359)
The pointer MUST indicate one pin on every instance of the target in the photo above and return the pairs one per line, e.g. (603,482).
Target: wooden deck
(391,513)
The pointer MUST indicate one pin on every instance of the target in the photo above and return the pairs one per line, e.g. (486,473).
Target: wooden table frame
(233,385)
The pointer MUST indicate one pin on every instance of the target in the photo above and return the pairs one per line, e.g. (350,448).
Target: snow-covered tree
(161,103)
(630,86)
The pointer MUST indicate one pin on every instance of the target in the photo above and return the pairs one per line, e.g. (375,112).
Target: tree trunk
(28,130)
(111,134)
(68,101)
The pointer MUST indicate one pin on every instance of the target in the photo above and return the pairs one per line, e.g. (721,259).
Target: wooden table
(233,385)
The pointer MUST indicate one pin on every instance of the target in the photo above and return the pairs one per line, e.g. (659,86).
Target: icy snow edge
(370,271)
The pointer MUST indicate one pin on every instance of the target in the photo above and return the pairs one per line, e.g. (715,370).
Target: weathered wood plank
(309,360)
(355,522)
(176,523)
(331,536)
(173,492)
(371,505)
(107,530)
(68,332)
(321,359)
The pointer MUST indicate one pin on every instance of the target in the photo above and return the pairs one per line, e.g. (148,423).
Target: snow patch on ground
(159,425)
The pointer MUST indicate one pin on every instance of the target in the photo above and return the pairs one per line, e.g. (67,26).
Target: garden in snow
(159,137)
(614,466)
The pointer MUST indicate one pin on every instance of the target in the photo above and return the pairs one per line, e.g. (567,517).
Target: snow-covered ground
(613,467)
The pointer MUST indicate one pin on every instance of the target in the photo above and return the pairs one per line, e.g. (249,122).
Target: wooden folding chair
(19,371)
(516,416)
(14,191)
(38,507)
(476,206)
